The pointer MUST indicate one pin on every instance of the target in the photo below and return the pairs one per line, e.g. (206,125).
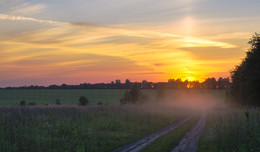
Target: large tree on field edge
(245,87)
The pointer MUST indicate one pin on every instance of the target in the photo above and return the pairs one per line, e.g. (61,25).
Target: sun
(189,78)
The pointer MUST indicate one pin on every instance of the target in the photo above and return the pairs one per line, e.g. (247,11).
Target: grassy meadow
(80,129)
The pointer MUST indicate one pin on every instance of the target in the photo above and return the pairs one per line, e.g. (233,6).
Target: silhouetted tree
(126,99)
(223,83)
(127,83)
(133,96)
(83,101)
(172,84)
(118,81)
(245,86)
(196,85)
(135,93)
(210,83)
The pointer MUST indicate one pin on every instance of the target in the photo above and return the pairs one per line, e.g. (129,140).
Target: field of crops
(105,96)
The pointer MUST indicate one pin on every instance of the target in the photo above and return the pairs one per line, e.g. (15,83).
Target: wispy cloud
(21,18)
(126,35)
(21,7)
(27,9)
(57,48)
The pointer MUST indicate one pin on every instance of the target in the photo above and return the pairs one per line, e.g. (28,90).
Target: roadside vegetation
(238,129)
(231,130)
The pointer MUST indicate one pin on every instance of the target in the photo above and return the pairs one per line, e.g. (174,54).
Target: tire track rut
(190,141)
(143,142)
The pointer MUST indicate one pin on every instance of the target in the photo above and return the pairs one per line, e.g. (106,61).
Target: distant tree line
(209,83)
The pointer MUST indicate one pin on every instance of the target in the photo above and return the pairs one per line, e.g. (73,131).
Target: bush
(133,96)
(83,101)
(100,103)
(22,103)
(58,102)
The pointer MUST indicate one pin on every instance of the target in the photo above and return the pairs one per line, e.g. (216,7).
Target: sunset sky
(45,42)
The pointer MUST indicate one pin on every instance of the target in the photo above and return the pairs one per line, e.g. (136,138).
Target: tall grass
(233,130)
(74,128)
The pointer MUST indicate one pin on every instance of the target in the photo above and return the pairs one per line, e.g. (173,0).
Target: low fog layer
(195,99)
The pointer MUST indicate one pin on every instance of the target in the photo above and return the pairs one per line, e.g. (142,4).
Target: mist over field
(196,99)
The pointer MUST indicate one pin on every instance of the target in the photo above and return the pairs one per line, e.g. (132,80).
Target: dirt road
(190,142)
(141,143)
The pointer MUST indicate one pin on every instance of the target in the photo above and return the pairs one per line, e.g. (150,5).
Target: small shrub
(31,104)
(83,101)
(58,102)
(100,103)
(22,103)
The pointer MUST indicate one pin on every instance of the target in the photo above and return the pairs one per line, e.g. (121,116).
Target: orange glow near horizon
(36,50)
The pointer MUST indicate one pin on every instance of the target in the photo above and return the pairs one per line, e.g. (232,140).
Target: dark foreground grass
(79,129)
(232,131)
(167,142)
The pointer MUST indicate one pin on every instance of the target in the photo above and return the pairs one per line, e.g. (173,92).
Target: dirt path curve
(141,143)
(190,142)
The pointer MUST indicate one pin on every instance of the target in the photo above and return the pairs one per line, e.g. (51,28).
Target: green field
(80,129)
(106,96)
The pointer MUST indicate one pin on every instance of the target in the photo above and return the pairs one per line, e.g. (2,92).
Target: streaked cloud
(27,9)
(21,18)
(50,40)
(21,7)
